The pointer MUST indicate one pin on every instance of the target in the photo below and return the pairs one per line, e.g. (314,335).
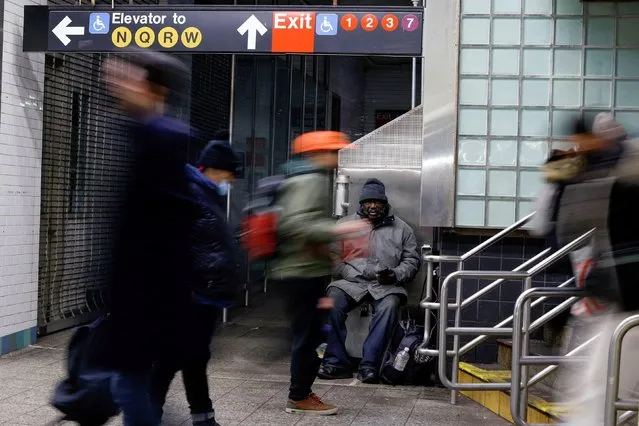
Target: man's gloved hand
(386,277)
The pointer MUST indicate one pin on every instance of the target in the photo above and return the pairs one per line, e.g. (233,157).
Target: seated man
(372,271)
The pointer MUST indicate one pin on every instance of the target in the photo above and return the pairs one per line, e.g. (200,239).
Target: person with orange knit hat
(303,264)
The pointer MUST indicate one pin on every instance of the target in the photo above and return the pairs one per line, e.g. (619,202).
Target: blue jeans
(131,393)
(383,322)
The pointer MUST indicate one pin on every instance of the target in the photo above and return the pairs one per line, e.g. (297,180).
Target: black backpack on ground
(85,395)
(418,369)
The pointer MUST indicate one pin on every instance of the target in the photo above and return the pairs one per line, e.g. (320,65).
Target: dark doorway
(336,112)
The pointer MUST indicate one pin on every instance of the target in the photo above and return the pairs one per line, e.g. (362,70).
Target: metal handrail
(497,237)
(482,246)
(498,330)
(423,347)
(519,405)
(480,339)
(548,370)
(475,296)
(613,403)
(428,304)
(443,329)
(520,358)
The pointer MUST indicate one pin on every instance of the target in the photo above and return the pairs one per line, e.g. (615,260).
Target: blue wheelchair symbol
(99,23)
(326,24)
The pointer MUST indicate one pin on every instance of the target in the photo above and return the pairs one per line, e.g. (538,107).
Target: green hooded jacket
(305,227)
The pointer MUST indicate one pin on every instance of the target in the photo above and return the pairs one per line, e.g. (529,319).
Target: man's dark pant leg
(130,391)
(163,373)
(194,372)
(383,322)
(306,324)
(191,355)
(336,355)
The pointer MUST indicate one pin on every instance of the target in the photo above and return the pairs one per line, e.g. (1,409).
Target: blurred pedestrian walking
(148,296)
(303,263)
(214,284)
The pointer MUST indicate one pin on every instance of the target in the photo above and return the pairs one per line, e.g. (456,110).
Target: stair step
(540,407)
(536,348)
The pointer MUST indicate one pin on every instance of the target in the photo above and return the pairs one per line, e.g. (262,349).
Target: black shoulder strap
(555,203)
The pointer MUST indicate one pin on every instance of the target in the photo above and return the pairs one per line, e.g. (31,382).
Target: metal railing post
(458,296)
(429,305)
(515,378)
(520,360)
(429,293)
(614,366)
(444,329)
(522,328)
(525,347)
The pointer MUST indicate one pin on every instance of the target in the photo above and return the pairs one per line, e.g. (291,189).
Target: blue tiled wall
(498,304)
(17,341)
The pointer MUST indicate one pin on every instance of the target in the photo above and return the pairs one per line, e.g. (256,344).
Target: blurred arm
(304,213)
(542,223)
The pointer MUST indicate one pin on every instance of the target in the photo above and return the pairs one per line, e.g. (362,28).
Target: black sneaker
(368,376)
(330,372)
(206,419)
(207,422)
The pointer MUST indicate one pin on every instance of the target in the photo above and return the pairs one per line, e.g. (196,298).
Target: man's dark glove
(386,277)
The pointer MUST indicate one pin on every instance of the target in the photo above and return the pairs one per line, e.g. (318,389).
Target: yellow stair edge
(539,410)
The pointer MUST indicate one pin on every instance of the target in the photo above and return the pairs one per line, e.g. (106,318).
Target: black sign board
(385,116)
(392,31)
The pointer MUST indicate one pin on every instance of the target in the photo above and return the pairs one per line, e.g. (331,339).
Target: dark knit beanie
(373,190)
(219,155)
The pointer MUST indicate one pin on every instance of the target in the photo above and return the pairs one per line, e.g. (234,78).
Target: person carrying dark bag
(147,298)
(600,195)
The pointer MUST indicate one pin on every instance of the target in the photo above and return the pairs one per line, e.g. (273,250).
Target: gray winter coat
(391,244)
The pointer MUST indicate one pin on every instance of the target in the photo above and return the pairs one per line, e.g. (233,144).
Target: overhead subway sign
(323,30)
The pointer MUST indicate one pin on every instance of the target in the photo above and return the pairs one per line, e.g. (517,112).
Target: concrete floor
(249,379)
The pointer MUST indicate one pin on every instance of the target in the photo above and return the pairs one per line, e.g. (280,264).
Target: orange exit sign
(293,32)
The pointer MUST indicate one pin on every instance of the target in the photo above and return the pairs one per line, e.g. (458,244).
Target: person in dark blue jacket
(214,278)
(150,262)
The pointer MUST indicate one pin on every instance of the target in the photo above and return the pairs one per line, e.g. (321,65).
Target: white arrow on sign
(252,26)
(62,31)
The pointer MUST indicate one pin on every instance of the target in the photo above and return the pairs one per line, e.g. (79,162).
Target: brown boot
(311,405)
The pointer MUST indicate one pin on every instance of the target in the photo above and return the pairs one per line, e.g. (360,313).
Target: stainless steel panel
(439,102)
(395,145)
(402,187)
